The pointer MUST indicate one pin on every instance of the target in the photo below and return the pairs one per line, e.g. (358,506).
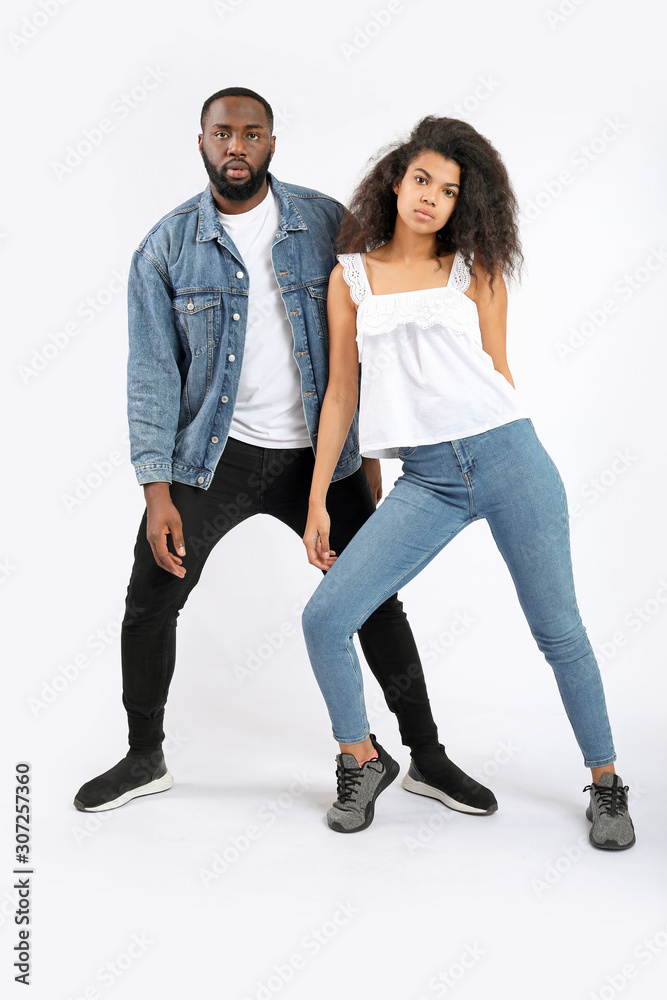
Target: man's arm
(153,376)
(153,399)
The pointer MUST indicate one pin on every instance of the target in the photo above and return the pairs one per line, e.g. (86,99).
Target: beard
(234,191)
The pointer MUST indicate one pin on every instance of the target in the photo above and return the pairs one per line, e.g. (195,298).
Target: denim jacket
(188,309)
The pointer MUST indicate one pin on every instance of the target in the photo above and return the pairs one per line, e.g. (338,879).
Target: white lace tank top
(425,377)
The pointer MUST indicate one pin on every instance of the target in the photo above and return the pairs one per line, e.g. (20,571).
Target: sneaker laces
(347,780)
(611,800)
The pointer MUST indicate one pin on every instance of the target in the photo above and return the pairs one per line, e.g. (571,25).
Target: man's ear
(273,144)
(200,140)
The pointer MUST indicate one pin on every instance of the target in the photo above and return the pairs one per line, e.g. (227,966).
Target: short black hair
(237,92)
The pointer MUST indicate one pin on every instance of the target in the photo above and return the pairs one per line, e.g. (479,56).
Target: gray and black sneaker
(432,773)
(136,774)
(612,828)
(357,789)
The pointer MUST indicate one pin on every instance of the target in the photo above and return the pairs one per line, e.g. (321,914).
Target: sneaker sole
(159,785)
(391,775)
(608,845)
(421,788)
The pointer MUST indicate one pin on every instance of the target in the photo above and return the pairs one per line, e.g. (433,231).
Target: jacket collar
(210,227)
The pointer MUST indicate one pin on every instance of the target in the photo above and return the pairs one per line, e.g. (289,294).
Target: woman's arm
(338,409)
(492,309)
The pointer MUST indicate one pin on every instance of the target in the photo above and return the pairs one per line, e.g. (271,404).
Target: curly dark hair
(484,220)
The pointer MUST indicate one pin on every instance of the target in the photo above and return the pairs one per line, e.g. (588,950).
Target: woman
(424,311)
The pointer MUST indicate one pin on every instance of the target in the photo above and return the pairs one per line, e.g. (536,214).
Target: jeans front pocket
(405,452)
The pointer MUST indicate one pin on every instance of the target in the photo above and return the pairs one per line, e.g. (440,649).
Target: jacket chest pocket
(318,306)
(199,317)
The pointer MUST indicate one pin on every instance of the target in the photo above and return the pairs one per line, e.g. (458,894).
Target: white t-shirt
(269,405)
(425,376)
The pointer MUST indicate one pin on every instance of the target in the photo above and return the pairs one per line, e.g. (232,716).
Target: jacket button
(214,440)
(236,316)
(190,305)
(232,357)
(200,479)
(239,274)
(224,399)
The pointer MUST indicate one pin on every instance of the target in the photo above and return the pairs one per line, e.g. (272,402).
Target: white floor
(230,885)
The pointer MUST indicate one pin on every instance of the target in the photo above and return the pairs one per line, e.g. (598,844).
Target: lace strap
(354,275)
(459,277)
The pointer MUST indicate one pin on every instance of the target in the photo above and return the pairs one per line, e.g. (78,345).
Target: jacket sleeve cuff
(153,472)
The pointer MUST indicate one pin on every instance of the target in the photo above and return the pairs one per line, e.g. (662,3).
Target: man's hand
(371,467)
(163,520)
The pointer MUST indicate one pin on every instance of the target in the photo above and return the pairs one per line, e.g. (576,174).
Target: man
(226,375)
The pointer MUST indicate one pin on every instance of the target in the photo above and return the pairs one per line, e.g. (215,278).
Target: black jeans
(250,480)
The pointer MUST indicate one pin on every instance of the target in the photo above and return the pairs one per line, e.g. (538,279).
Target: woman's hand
(316,537)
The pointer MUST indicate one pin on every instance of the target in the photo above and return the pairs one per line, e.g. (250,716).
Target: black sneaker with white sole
(134,775)
(432,773)
(357,789)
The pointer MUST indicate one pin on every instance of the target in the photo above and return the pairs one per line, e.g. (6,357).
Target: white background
(537,912)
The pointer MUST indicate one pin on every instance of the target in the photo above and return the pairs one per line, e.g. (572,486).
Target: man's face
(236,147)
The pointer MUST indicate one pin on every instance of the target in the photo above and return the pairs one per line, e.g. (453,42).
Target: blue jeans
(505,476)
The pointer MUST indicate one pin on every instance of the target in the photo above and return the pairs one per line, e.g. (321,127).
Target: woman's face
(428,192)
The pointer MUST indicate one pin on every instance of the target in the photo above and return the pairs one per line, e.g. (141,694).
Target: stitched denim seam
(600,763)
(554,469)
(471,497)
(357,671)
